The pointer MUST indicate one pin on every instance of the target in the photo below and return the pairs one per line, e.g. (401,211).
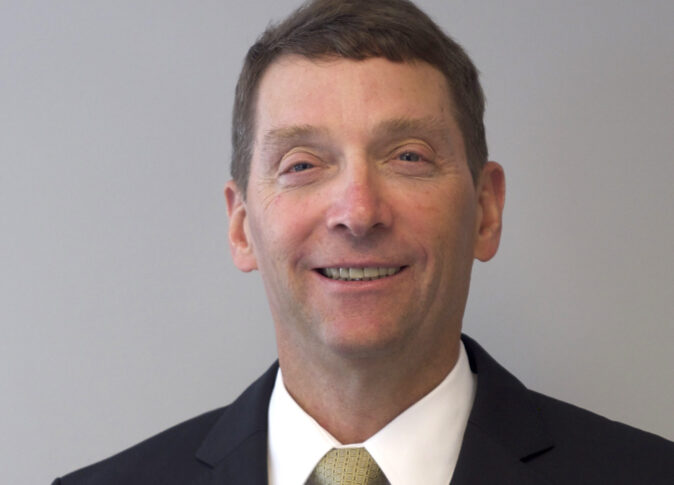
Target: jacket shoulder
(226,442)
(543,440)
(167,457)
(589,448)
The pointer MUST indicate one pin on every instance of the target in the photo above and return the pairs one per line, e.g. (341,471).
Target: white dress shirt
(421,445)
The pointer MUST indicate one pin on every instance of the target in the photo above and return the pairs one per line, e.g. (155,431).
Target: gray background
(120,311)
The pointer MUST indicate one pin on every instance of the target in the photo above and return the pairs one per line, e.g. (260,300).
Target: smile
(359,274)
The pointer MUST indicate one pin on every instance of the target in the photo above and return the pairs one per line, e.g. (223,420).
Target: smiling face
(361,213)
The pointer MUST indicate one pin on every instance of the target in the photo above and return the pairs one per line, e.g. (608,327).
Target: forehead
(344,95)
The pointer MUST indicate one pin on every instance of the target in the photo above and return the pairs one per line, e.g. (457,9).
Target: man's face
(361,214)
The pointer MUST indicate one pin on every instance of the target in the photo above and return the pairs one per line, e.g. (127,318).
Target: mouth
(360,274)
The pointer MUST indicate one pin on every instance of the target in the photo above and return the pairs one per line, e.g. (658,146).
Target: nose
(359,204)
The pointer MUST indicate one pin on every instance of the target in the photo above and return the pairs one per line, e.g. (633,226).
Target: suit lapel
(504,429)
(235,450)
(483,461)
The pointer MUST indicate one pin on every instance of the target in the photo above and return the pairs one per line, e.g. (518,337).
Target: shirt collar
(421,445)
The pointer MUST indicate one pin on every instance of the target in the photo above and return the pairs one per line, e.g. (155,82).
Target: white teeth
(370,272)
(355,273)
(358,274)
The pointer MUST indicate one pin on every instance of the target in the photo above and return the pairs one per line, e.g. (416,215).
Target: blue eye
(299,167)
(409,157)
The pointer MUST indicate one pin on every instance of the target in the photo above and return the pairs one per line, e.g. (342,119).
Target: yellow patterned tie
(347,466)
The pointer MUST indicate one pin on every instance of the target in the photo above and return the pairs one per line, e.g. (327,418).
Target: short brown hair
(359,29)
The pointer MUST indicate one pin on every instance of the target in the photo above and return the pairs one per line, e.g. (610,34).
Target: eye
(300,167)
(413,158)
(410,157)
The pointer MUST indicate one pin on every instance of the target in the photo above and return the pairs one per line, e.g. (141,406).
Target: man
(362,193)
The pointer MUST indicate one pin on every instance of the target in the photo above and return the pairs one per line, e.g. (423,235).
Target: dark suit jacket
(514,436)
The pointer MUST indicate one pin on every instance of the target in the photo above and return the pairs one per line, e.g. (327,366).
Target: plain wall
(120,311)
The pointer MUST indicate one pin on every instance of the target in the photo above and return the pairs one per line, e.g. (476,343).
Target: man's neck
(353,398)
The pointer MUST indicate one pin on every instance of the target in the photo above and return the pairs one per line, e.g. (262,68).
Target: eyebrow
(427,127)
(422,127)
(291,135)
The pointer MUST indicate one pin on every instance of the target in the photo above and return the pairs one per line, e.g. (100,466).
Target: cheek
(443,223)
(283,226)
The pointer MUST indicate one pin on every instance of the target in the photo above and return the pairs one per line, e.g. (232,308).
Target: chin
(362,340)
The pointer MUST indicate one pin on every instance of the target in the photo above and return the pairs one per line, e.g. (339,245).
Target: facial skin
(361,164)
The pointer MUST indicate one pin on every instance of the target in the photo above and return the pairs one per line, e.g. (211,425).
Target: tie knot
(347,466)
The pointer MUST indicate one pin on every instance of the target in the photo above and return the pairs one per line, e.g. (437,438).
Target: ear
(240,243)
(491,198)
